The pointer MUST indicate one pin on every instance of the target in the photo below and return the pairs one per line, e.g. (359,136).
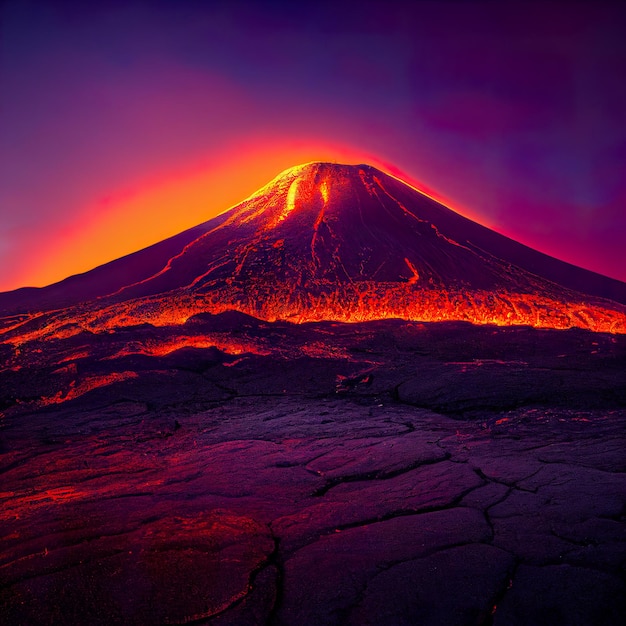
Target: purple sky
(514,112)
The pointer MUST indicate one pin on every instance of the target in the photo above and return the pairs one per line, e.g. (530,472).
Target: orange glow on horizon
(163,206)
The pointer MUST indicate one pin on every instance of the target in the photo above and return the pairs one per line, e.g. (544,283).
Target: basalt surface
(232,471)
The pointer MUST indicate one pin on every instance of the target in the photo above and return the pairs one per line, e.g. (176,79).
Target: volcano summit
(346,243)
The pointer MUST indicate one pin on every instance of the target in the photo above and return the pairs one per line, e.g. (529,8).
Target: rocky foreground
(384,473)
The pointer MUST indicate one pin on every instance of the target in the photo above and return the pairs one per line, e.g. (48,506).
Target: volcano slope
(329,242)
(164,461)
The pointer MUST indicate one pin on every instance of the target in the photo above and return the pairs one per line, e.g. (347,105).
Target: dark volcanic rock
(479,386)
(240,487)
(561,594)
(319,591)
(469,577)
(174,570)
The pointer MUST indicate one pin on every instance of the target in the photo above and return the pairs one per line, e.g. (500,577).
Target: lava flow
(333,242)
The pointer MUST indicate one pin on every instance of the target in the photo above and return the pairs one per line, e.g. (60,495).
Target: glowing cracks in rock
(300,193)
(415,274)
(325,190)
(291,200)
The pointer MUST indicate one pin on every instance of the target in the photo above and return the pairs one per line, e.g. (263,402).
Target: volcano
(175,449)
(348,243)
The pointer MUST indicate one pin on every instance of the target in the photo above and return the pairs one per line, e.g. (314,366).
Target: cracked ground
(384,473)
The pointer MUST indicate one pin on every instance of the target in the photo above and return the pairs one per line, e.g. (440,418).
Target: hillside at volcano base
(339,402)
